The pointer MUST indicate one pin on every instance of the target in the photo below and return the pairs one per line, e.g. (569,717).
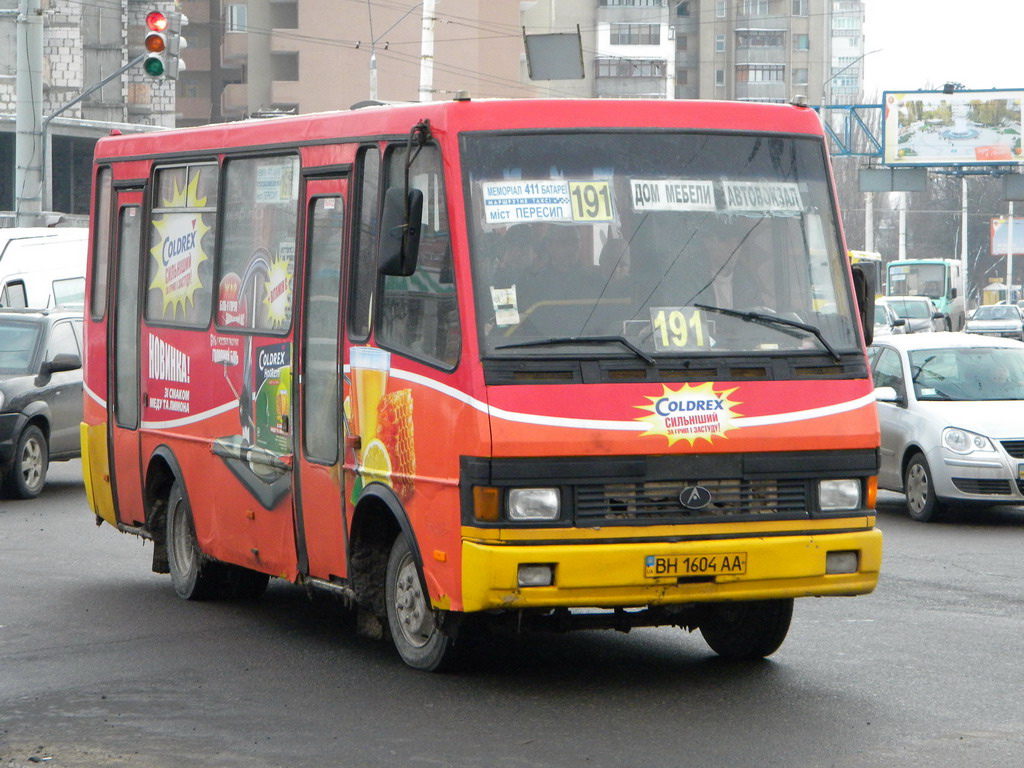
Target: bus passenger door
(319,499)
(123,377)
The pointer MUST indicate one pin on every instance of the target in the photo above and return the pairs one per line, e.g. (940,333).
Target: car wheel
(922,503)
(31,460)
(411,619)
(747,630)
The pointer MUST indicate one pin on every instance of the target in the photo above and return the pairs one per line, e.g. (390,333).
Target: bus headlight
(837,495)
(533,504)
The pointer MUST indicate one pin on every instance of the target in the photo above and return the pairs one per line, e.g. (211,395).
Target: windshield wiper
(759,317)
(584,340)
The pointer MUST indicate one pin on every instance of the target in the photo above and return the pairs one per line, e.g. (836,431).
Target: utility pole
(427,52)
(28,176)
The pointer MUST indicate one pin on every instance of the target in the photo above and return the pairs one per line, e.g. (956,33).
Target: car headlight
(834,495)
(962,441)
(533,504)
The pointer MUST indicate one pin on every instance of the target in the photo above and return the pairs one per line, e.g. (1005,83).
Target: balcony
(234,101)
(234,49)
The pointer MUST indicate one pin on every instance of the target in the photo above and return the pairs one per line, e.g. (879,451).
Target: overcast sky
(926,43)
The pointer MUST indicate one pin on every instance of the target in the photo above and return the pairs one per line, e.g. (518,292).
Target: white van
(43,267)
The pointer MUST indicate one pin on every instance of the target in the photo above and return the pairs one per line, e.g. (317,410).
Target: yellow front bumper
(611,574)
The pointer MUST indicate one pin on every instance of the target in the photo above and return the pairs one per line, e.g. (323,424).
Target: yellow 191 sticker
(678,328)
(591,201)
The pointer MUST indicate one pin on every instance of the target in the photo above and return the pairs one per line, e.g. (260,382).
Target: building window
(682,43)
(630,68)
(799,7)
(760,73)
(753,8)
(760,38)
(635,34)
(683,8)
(800,76)
(720,9)
(719,77)
(801,42)
(236,17)
(682,77)
(634,3)
(719,43)
(845,22)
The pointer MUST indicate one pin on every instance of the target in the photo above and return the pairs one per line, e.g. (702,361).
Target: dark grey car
(40,395)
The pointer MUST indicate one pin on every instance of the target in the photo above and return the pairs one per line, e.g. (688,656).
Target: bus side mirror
(952,293)
(399,242)
(864,293)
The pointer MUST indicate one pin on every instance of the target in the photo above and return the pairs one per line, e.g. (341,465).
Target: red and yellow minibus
(567,363)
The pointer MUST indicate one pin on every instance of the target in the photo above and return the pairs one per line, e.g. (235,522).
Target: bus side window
(180,245)
(363,267)
(419,314)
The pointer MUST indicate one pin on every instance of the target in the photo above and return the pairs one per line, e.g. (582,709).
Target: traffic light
(175,44)
(155,44)
(164,44)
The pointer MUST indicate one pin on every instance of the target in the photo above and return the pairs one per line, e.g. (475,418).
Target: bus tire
(28,470)
(411,619)
(194,577)
(747,630)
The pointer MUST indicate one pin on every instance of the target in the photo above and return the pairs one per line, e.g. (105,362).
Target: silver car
(951,412)
(920,312)
(997,320)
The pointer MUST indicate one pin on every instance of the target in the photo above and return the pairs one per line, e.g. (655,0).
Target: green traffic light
(153,66)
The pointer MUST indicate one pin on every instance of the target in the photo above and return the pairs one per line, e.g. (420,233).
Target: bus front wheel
(420,642)
(747,630)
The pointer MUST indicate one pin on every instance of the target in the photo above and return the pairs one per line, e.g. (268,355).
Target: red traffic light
(156,21)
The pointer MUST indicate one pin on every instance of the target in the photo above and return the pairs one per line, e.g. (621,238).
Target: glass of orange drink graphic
(369,367)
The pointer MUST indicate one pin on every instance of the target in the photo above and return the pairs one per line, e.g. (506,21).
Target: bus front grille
(676,500)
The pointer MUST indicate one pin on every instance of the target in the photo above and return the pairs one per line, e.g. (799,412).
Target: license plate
(676,566)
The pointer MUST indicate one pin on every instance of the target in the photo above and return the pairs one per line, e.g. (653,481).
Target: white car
(887,321)
(951,412)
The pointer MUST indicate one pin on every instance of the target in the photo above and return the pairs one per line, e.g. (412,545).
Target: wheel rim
(32,464)
(917,489)
(181,539)
(415,618)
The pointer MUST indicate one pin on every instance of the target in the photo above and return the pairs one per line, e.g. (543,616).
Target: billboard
(959,128)
(1000,242)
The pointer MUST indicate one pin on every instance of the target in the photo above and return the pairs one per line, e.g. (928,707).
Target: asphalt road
(101,666)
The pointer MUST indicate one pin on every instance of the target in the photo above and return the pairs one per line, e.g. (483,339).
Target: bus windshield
(918,280)
(675,242)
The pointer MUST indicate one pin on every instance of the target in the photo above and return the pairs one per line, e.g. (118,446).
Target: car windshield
(968,373)
(911,309)
(993,312)
(582,241)
(881,317)
(18,341)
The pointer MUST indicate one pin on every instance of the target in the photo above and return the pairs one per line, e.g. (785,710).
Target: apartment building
(258,58)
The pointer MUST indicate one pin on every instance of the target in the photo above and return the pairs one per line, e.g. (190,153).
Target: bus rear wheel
(196,577)
(747,630)
(193,577)
(420,642)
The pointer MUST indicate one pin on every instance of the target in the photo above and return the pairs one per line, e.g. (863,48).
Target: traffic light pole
(47,187)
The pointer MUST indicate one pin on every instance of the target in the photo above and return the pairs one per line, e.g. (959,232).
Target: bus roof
(468,115)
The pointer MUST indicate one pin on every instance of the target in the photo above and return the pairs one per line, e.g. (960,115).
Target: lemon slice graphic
(376,462)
